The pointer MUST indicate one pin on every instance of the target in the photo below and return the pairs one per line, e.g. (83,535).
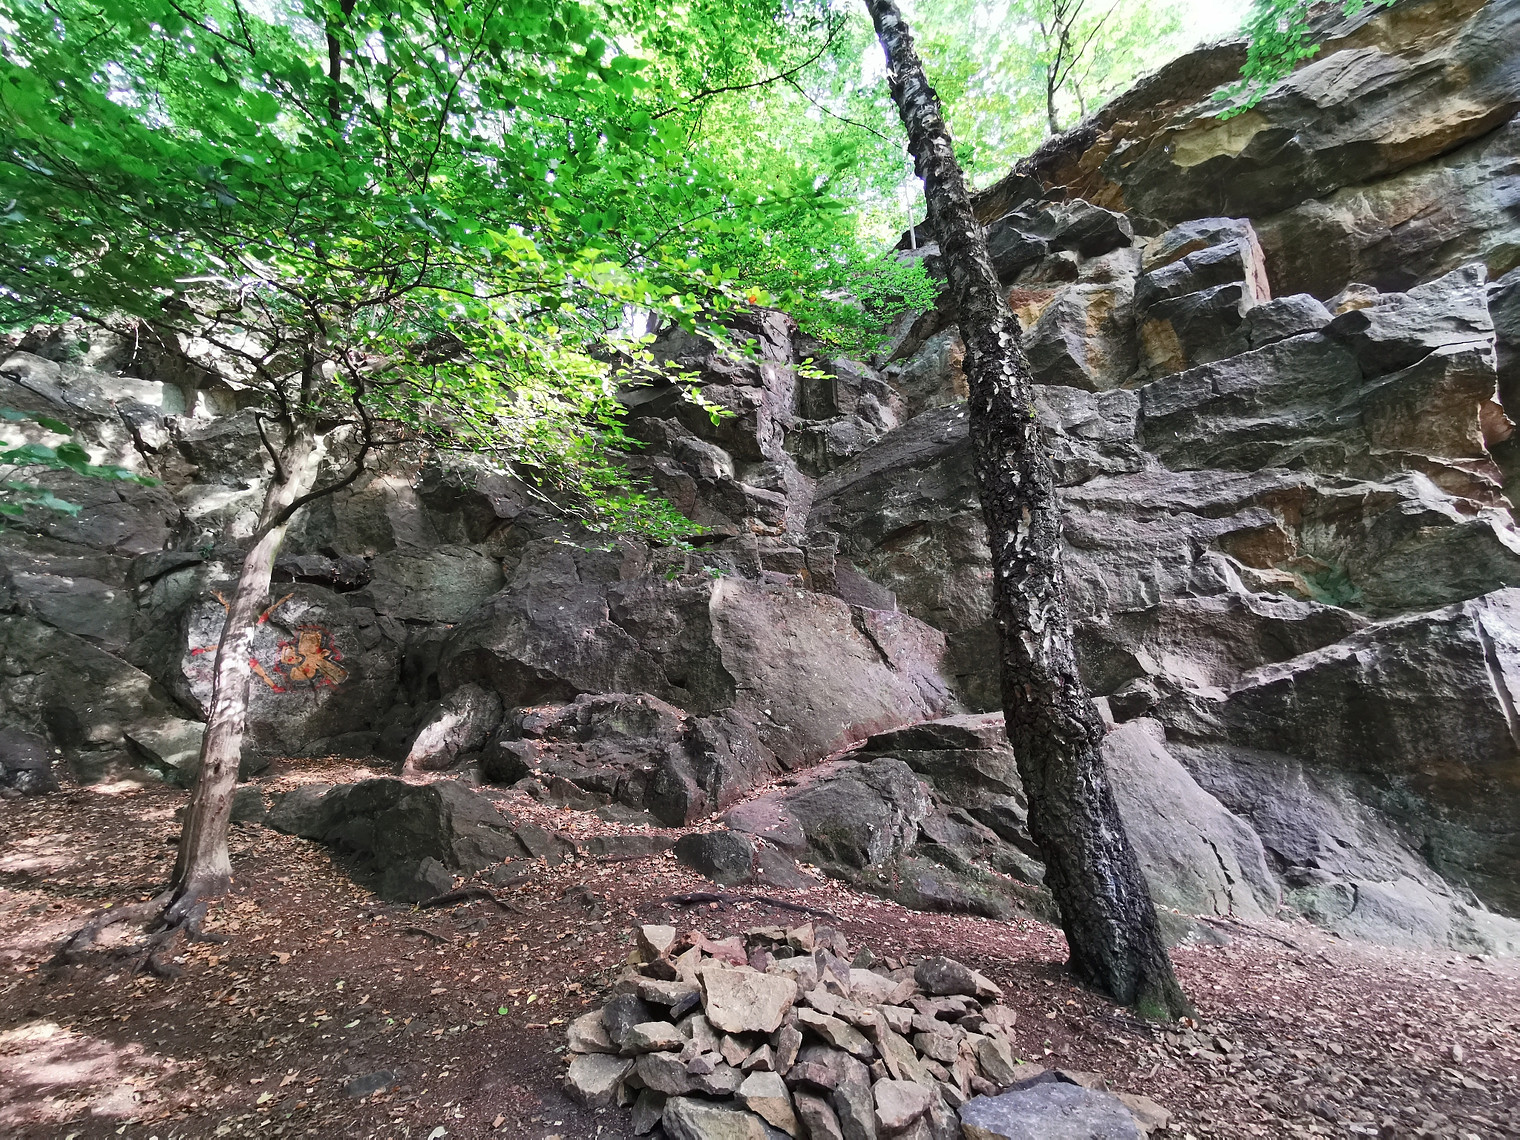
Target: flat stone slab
(1050,1110)
(746,1001)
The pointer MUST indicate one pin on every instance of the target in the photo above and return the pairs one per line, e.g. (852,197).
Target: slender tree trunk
(1055,730)
(204,869)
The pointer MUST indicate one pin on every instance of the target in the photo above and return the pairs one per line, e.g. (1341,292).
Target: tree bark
(204,869)
(1056,732)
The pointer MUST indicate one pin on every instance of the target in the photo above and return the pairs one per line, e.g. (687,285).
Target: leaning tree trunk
(204,868)
(1055,730)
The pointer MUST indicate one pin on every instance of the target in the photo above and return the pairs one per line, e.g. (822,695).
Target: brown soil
(460,1011)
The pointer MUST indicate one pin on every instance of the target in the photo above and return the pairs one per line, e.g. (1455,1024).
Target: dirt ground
(331,1013)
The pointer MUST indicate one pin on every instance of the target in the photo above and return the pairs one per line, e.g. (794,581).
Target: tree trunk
(1055,730)
(204,869)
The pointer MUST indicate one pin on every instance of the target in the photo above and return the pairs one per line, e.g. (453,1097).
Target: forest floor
(331,1013)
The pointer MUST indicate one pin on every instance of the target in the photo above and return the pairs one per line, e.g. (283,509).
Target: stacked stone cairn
(785,1033)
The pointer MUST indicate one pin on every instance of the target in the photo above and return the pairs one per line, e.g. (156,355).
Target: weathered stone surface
(1197,856)
(1048,1110)
(406,880)
(459,723)
(1446,678)
(594,1078)
(850,814)
(86,701)
(632,749)
(792,663)
(765,1094)
(940,975)
(652,1037)
(26,763)
(1397,231)
(389,822)
(1439,84)
(588,1035)
(686,1118)
(725,857)
(840,1034)
(1085,337)
(441,583)
(325,668)
(817,1117)
(899,1104)
(741,1000)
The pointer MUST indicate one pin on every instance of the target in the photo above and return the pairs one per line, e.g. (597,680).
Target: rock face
(1279,359)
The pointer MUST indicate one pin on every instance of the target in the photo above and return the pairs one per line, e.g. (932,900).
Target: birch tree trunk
(204,869)
(1056,732)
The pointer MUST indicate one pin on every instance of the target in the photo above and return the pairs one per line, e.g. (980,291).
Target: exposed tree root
(426,933)
(165,920)
(102,920)
(724,899)
(471,893)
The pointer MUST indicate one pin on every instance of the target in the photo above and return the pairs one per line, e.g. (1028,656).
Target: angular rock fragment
(766,1095)
(1049,1110)
(594,1078)
(899,1104)
(740,1000)
(652,1037)
(817,1117)
(942,976)
(836,1032)
(686,1118)
(587,1035)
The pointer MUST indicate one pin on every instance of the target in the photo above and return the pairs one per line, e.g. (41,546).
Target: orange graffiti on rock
(309,658)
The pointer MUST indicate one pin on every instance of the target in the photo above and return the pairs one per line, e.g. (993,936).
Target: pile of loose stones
(782,1032)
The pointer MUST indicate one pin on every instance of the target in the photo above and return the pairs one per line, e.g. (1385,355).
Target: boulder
(88,702)
(940,975)
(808,671)
(851,815)
(323,667)
(635,750)
(725,857)
(899,1104)
(26,763)
(1048,1110)
(390,824)
(459,723)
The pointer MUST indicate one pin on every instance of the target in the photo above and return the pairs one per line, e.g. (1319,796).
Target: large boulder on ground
(394,828)
(322,668)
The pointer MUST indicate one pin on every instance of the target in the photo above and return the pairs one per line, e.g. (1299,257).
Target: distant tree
(1056,732)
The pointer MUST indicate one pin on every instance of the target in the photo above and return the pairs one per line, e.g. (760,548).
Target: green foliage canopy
(415,218)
